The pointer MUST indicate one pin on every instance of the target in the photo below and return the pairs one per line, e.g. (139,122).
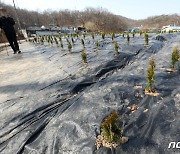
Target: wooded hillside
(95,19)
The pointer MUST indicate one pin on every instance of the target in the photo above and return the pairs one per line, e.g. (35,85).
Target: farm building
(169,28)
(50,30)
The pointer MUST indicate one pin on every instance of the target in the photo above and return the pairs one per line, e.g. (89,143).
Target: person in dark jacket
(7,25)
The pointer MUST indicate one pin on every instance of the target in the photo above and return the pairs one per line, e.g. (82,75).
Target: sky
(134,9)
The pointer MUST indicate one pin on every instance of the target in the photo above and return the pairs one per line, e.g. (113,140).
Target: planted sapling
(128,38)
(84,57)
(150,77)
(92,34)
(113,36)
(61,42)
(35,39)
(72,40)
(84,36)
(82,42)
(42,40)
(146,36)
(175,57)
(111,132)
(69,45)
(51,41)
(97,44)
(103,36)
(133,35)
(140,33)
(116,47)
(56,41)
(123,35)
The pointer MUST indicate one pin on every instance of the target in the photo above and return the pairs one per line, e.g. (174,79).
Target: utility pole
(17,15)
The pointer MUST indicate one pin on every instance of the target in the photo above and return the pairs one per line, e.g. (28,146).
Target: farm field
(53,98)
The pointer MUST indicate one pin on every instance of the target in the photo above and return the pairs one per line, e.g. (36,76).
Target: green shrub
(92,34)
(146,36)
(61,42)
(84,36)
(97,44)
(55,39)
(133,35)
(123,35)
(116,47)
(42,40)
(35,39)
(84,56)
(82,42)
(140,33)
(175,56)
(72,40)
(62,46)
(103,36)
(113,36)
(150,77)
(110,129)
(69,45)
(51,41)
(128,38)
(77,35)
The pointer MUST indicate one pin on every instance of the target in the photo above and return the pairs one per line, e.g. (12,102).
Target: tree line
(95,19)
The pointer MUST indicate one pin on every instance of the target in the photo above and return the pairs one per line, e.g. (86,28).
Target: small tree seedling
(77,35)
(69,47)
(72,40)
(84,36)
(150,77)
(116,47)
(133,35)
(113,36)
(48,41)
(82,42)
(42,40)
(146,36)
(97,44)
(123,35)
(35,39)
(103,36)
(51,41)
(140,33)
(110,129)
(84,57)
(60,39)
(174,57)
(61,42)
(128,38)
(56,41)
(92,34)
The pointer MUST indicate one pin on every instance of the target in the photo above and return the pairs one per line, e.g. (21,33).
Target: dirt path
(25,73)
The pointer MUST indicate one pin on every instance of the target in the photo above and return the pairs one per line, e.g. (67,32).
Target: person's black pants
(12,39)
